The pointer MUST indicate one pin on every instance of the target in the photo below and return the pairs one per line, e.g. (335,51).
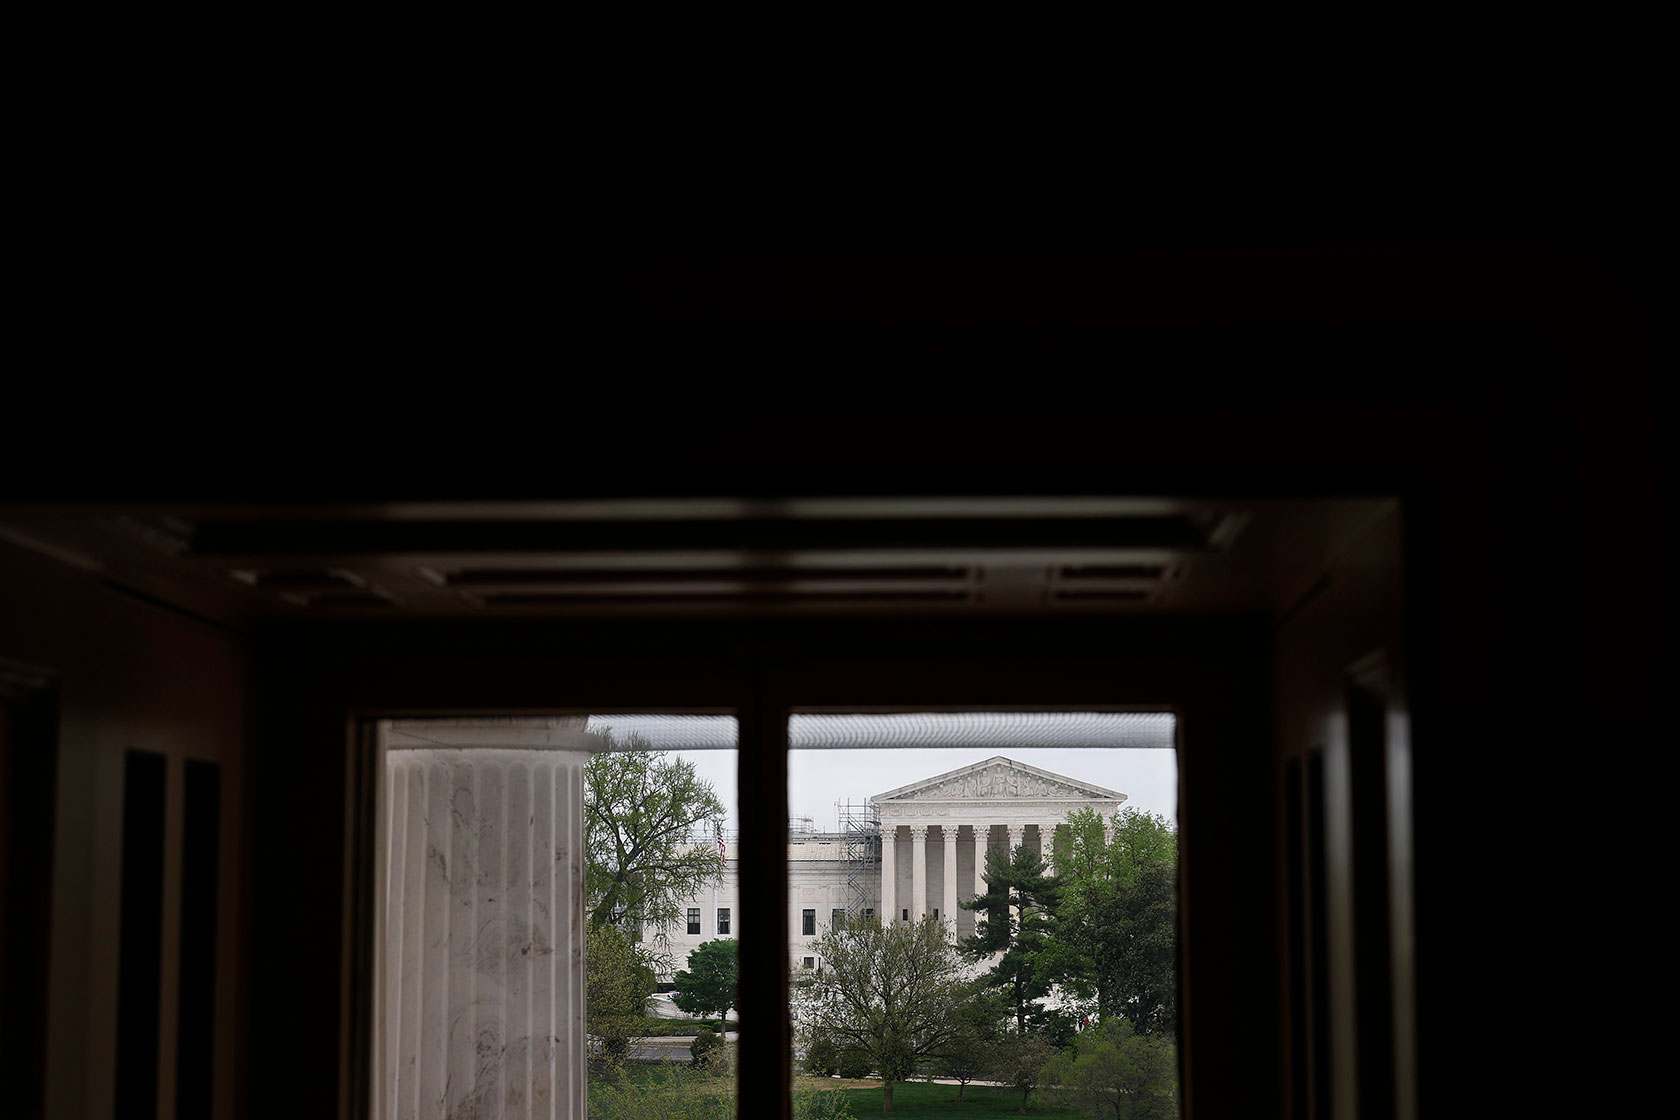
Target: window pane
(507,801)
(962,828)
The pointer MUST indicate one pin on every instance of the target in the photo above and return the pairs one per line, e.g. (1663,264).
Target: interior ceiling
(240,564)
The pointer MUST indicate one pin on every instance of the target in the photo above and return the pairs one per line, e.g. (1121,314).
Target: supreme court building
(927,855)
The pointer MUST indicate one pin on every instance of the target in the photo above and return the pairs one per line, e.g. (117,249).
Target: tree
(617,985)
(640,809)
(1118,915)
(1019,1059)
(708,984)
(890,992)
(1138,950)
(1117,1073)
(968,1055)
(1025,967)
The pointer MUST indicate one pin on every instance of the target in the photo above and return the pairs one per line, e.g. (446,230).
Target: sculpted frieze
(998,782)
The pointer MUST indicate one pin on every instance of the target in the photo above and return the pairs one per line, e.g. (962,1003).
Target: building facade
(927,855)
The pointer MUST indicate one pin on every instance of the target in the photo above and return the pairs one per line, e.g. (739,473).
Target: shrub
(1117,1072)
(822,1058)
(704,1049)
(672,1093)
(654,1028)
(821,1104)
(854,1063)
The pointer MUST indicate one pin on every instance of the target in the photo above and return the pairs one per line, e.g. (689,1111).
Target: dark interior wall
(1349,625)
(1507,396)
(1213,673)
(132,677)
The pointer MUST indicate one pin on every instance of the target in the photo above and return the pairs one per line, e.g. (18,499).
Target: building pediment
(997,778)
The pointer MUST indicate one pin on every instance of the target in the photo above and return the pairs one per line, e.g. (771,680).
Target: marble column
(483,952)
(1017,837)
(948,912)
(981,833)
(918,872)
(889,874)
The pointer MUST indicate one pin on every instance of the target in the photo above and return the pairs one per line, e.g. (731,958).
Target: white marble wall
(483,1013)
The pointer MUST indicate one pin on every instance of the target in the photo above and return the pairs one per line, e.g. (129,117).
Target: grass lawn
(916,1098)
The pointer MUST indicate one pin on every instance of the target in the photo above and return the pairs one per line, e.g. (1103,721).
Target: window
(810,962)
(723,919)
(936,913)
(837,919)
(809,928)
(694,919)
(869,913)
(906,914)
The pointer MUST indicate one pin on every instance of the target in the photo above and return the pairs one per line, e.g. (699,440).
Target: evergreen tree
(1022,941)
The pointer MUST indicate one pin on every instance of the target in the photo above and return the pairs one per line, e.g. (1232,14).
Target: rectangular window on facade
(837,919)
(723,919)
(810,924)
(693,919)
(810,962)
(869,913)
(906,914)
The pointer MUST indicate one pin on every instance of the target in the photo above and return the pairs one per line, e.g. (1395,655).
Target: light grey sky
(840,756)
(816,778)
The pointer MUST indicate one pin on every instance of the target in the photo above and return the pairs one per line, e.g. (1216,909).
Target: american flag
(721,854)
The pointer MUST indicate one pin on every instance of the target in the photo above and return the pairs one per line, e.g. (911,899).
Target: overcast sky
(816,778)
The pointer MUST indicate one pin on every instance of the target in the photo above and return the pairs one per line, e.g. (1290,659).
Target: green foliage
(968,1055)
(701,1050)
(616,989)
(890,992)
(1019,1059)
(1118,916)
(854,1062)
(665,1028)
(822,1057)
(709,982)
(1023,943)
(1116,1073)
(666,1092)
(640,807)
(1138,950)
(821,1104)
(1061,1028)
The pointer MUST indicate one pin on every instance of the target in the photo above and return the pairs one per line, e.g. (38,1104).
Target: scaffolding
(860,831)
